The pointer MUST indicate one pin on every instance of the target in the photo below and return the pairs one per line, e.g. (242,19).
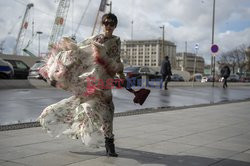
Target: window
(146,70)
(17,64)
(20,65)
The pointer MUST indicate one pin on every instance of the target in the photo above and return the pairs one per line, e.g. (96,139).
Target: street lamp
(196,53)
(163,35)
(212,56)
(132,35)
(110,6)
(39,33)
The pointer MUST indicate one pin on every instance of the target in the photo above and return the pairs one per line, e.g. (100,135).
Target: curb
(23,84)
(36,84)
(128,113)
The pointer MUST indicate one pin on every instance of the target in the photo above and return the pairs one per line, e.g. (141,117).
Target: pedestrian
(89,113)
(166,72)
(225,73)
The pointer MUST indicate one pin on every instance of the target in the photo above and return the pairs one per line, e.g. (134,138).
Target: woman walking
(89,113)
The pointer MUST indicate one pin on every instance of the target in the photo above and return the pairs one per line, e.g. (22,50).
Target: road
(25,105)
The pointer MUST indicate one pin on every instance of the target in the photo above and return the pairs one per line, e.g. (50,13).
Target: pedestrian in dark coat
(225,73)
(166,72)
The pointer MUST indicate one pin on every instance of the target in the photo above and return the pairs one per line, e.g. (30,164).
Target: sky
(184,20)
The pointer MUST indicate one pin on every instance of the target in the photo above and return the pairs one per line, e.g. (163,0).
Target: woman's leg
(108,117)
(108,131)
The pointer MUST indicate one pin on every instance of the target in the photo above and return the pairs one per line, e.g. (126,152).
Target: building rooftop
(150,41)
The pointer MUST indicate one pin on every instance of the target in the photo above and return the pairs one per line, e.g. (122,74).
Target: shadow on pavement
(144,157)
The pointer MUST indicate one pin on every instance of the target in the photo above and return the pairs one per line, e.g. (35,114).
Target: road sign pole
(214,50)
(213,69)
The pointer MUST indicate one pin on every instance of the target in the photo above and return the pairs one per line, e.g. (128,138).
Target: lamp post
(195,56)
(132,29)
(39,33)
(110,6)
(163,36)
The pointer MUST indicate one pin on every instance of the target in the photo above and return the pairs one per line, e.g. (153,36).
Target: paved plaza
(210,135)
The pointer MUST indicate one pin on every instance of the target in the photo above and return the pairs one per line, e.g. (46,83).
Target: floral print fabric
(88,114)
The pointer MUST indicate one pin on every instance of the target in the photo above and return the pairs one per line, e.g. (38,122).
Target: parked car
(34,70)
(245,77)
(176,77)
(6,70)
(130,72)
(210,78)
(196,77)
(204,79)
(149,72)
(21,69)
(135,73)
(233,78)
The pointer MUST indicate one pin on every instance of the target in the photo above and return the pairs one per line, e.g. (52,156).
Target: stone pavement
(210,135)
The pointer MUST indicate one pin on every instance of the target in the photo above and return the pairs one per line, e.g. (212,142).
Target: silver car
(34,70)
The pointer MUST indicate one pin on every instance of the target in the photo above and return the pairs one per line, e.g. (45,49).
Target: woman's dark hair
(110,16)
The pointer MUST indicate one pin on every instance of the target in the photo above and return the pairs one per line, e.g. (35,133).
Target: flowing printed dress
(86,70)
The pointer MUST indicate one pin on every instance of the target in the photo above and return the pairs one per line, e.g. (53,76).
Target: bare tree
(235,58)
(248,59)
(241,57)
(227,58)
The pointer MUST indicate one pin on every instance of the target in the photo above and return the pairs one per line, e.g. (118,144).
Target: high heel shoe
(110,147)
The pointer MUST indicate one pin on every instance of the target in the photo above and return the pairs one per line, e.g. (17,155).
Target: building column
(158,54)
(137,55)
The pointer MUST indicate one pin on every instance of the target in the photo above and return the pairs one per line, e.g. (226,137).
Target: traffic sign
(214,48)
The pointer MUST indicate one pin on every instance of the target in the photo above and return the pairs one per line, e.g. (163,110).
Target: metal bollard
(145,79)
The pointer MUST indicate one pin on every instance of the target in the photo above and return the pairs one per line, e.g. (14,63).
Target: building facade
(186,62)
(147,52)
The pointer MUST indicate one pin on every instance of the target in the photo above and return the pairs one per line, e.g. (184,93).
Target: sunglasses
(111,23)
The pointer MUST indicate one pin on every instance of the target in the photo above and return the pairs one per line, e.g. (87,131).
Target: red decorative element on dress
(102,62)
(91,88)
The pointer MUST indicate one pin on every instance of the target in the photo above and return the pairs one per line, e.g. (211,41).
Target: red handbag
(141,95)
